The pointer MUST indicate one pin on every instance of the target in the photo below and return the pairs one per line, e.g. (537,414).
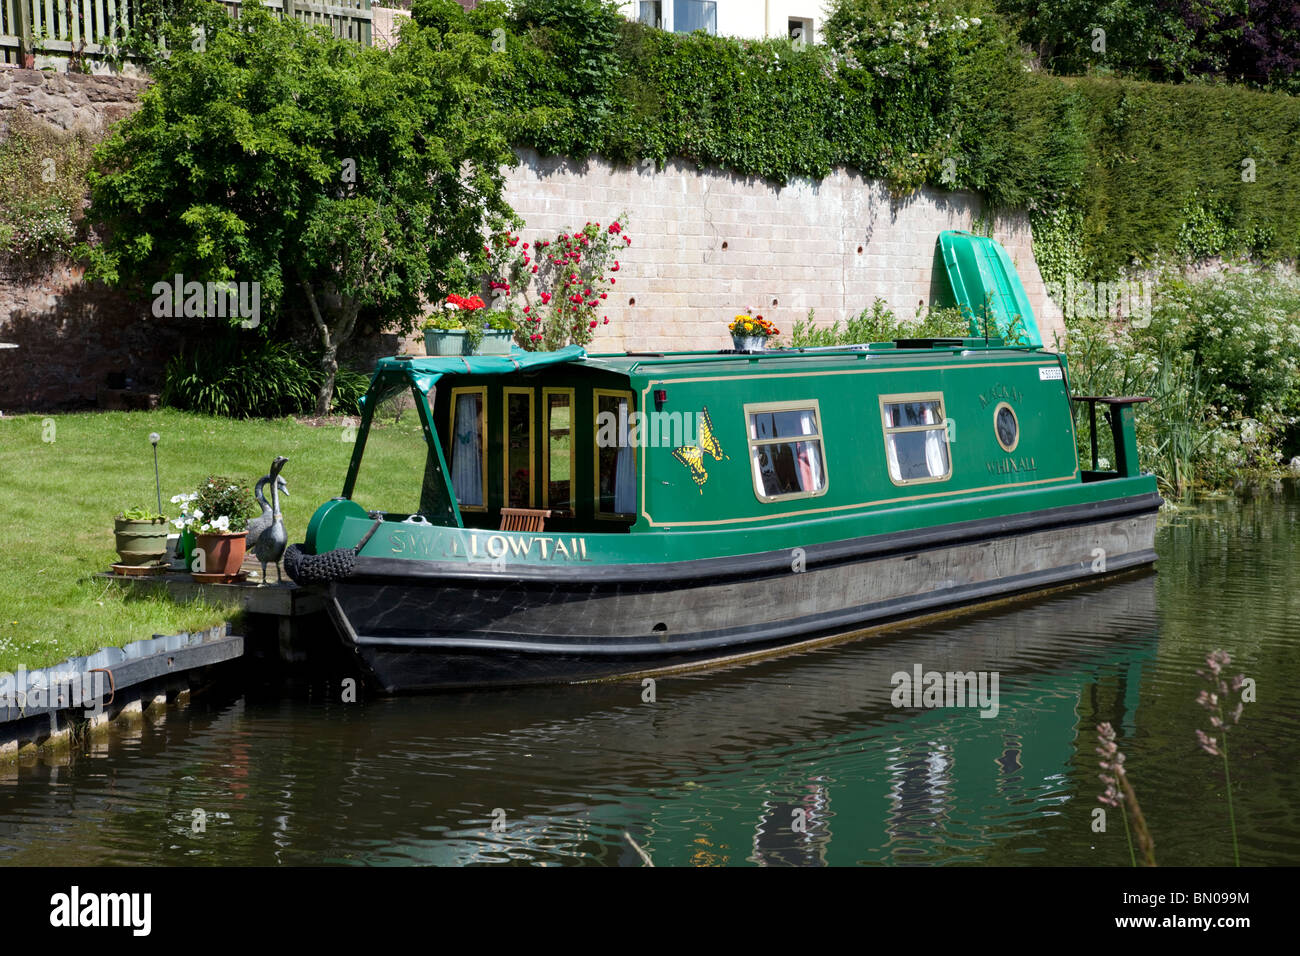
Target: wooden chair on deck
(523,519)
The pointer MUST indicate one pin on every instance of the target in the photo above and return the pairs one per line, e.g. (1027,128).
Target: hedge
(1114,172)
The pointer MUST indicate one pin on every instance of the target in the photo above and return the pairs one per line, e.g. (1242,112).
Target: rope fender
(333,565)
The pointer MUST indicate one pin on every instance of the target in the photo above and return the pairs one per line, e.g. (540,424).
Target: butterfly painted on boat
(708,441)
(692,456)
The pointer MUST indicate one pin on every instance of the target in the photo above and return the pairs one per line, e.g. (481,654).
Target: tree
(340,179)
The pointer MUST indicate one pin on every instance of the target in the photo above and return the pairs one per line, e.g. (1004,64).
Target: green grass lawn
(58,498)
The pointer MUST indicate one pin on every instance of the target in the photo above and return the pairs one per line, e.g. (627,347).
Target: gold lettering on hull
(1000,393)
(1012,466)
(450,546)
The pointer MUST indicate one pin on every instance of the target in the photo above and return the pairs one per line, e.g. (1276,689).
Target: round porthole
(1006,426)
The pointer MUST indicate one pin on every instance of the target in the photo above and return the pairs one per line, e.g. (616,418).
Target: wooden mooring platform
(284,599)
(274,614)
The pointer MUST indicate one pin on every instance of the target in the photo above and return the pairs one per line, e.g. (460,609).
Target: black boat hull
(420,628)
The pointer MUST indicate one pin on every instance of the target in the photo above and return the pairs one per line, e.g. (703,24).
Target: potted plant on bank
(465,326)
(186,525)
(749,333)
(220,522)
(140,536)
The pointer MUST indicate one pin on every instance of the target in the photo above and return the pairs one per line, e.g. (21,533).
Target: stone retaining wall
(67,100)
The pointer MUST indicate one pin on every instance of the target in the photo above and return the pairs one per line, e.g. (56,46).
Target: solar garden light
(157,485)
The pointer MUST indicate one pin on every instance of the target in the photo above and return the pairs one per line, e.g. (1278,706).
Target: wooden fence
(67,29)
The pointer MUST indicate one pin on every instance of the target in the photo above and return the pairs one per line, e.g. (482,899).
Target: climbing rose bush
(563,282)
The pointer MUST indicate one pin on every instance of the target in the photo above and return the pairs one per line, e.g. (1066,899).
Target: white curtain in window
(936,457)
(467,456)
(624,473)
(891,450)
(809,453)
(756,455)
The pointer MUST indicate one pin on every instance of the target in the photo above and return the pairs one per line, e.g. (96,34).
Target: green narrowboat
(586,516)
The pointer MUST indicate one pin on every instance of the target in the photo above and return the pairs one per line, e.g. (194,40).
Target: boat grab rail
(1116,405)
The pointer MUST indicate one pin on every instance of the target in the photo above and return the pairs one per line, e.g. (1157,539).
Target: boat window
(518,459)
(469,447)
(916,438)
(1006,427)
(785,450)
(615,455)
(557,404)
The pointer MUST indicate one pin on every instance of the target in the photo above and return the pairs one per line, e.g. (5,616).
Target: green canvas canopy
(423,372)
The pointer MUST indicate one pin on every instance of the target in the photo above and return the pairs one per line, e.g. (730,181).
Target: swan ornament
(267,538)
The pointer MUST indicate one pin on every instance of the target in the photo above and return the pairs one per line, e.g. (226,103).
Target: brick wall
(75,339)
(708,244)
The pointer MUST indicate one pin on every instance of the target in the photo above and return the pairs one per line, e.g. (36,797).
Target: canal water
(799,760)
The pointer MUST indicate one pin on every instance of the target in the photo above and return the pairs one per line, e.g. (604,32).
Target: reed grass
(1220,360)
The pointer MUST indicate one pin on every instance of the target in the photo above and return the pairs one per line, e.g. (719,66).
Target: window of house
(801,31)
(692,15)
(785,449)
(615,456)
(557,408)
(518,457)
(916,438)
(651,13)
(469,447)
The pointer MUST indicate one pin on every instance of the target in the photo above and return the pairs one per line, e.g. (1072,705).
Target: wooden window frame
(802,405)
(505,445)
(546,449)
(481,391)
(903,398)
(596,395)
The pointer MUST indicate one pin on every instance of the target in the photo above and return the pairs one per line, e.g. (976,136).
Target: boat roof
(424,371)
(659,364)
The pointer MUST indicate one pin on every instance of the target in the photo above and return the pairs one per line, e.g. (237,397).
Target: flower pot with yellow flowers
(749,333)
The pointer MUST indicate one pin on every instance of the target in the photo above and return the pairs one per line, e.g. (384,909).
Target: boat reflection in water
(914,785)
(810,750)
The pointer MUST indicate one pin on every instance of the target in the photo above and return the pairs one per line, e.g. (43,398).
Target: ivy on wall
(1115,173)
